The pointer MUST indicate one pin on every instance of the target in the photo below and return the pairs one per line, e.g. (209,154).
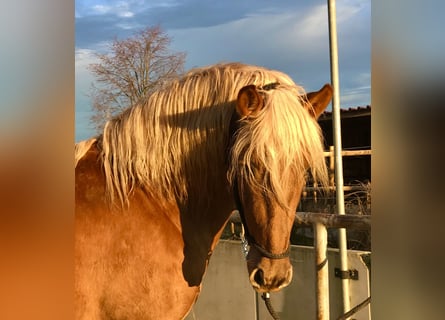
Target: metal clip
(244,243)
(348,274)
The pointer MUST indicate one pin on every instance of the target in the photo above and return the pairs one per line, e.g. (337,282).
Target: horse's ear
(318,100)
(249,101)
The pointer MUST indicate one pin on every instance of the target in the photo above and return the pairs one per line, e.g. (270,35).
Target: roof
(348,113)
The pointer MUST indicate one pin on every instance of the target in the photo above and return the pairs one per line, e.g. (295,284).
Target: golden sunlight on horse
(156,188)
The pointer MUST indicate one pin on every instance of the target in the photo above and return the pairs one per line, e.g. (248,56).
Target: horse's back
(128,261)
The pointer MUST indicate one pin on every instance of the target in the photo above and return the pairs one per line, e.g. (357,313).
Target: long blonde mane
(182,131)
(284,139)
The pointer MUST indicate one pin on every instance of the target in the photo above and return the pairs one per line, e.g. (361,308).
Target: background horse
(156,188)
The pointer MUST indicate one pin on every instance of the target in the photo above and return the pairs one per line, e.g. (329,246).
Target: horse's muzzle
(269,275)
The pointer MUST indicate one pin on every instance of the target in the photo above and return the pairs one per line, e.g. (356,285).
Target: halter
(269,86)
(250,239)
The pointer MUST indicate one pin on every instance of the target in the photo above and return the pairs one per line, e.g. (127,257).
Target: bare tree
(132,70)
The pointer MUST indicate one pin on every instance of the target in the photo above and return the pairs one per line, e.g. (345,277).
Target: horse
(155,189)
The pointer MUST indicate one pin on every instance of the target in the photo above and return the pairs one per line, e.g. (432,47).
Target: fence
(228,294)
(312,194)
(320,222)
(330,154)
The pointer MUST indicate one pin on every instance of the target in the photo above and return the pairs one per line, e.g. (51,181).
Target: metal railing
(320,222)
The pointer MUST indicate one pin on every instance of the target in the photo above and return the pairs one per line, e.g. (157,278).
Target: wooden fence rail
(349,153)
(349,221)
(332,188)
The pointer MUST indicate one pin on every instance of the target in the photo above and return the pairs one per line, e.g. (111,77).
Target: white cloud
(122,9)
(314,23)
(101,9)
(346,12)
(125,14)
(129,25)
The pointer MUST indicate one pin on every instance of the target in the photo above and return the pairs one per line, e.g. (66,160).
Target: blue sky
(291,36)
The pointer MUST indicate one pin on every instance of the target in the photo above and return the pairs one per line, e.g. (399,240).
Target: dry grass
(356,202)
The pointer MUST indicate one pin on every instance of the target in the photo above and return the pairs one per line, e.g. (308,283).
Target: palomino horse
(156,188)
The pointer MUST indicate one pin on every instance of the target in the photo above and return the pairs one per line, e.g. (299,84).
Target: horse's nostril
(259,277)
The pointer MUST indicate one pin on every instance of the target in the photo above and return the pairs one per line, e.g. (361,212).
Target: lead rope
(266,295)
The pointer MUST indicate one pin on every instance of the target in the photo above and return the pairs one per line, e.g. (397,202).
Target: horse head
(267,216)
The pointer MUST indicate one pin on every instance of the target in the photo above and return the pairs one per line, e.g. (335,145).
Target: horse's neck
(208,210)
(201,227)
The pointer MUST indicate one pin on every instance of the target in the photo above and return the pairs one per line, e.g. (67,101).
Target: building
(356,135)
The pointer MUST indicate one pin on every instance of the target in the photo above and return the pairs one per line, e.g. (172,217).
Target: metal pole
(338,147)
(322,274)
